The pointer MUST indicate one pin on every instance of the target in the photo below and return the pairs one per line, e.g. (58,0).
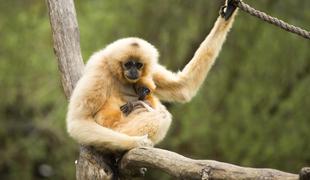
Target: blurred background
(253,109)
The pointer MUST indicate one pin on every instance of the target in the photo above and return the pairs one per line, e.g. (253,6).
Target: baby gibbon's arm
(182,86)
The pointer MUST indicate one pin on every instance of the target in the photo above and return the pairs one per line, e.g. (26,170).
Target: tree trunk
(66,39)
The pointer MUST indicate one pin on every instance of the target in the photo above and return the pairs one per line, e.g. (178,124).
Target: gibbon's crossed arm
(182,86)
(94,116)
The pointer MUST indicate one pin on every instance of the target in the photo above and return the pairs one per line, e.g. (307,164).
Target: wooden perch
(185,168)
(98,165)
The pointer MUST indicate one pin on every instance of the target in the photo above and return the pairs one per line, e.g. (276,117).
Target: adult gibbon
(116,103)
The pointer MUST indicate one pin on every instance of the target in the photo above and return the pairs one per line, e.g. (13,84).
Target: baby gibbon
(116,103)
(144,93)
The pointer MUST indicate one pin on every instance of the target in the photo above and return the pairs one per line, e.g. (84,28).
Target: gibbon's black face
(132,70)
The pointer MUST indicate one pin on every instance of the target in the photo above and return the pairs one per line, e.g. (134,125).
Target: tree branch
(185,168)
(98,165)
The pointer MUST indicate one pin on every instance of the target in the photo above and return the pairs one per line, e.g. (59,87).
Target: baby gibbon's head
(131,58)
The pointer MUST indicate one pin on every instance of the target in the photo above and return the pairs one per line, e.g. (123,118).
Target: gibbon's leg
(88,132)
(183,86)
(154,124)
(82,127)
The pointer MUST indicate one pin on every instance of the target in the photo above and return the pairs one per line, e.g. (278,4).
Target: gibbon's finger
(149,108)
(147,103)
(137,104)
(138,111)
(124,109)
(127,108)
(140,104)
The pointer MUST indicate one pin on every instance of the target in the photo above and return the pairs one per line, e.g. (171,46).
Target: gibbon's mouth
(132,78)
(132,75)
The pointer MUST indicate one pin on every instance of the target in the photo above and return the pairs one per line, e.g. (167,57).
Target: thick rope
(272,20)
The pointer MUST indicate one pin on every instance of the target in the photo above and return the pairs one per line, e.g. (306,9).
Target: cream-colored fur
(103,89)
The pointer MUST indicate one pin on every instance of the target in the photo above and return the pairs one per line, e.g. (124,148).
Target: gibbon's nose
(133,74)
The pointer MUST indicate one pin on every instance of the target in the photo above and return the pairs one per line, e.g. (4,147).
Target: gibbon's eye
(139,65)
(128,64)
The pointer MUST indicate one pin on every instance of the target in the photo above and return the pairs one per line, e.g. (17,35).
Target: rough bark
(94,165)
(97,165)
(66,39)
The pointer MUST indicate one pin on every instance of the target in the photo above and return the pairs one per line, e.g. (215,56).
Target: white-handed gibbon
(116,103)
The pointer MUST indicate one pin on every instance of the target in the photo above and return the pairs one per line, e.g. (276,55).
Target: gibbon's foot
(143,92)
(131,106)
(227,10)
(127,108)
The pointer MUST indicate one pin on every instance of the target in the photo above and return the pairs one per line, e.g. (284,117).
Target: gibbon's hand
(227,10)
(133,105)
(127,108)
(143,92)
(143,141)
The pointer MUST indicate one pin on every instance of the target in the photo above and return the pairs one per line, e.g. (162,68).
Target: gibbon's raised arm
(182,86)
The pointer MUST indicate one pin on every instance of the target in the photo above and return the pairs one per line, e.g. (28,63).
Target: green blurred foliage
(253,110)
